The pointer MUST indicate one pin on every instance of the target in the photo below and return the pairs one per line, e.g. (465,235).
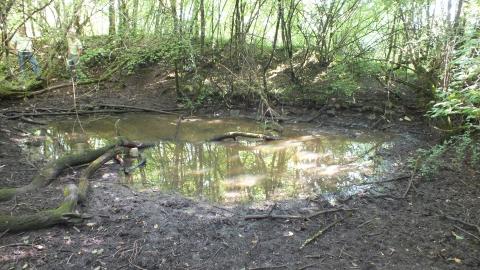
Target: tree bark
(64,212)
(111,18)
(53,169)
(202,27)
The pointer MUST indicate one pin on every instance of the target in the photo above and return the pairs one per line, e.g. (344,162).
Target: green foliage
(341,81)
(199,93)
(460,100)
(431,160)
(461,152)
(10,84)
(337,81)
(169,49)
(95,57)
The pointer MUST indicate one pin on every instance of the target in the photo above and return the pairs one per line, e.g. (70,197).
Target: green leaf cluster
(460,100)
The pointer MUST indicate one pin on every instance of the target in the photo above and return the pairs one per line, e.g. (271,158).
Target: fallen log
(42,219)
(53,169)
(64,213)
(87,110)
(235,134)
(145,109)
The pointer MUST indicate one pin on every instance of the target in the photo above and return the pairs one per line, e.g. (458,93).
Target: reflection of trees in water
(245,171)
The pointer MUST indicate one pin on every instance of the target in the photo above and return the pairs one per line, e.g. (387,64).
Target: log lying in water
(235,134)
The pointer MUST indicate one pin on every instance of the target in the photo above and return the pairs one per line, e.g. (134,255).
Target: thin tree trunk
(111,17)
(202,26)
(135,17)
(274,45)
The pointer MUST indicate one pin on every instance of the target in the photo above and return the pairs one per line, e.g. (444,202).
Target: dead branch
(410,182)
(467,232)
(87,110)
(471,225)
(250,217)
(320,232)
(270,216)
(235,134)
(268,267)
(330,211)
(136,108)
(81,112)
(31,121)
(398,178)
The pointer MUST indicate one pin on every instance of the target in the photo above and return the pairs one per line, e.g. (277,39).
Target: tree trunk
(173,6)
(123,17)
(111,18)
(135,17)
(202,27)
(274,45)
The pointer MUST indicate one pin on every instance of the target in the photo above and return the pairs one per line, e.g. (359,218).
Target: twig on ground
(412,176)
(3,233)
(31,121)
(330,211)
(477,227)
(268,267)
(311,265)
(366,222)
(249,217)
(271,210)
(269,215)
(16,245)
(467,232)
(224,209)
(321,232)
(398,178)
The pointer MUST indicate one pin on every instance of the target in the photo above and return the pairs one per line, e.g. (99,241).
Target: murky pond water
(306,162)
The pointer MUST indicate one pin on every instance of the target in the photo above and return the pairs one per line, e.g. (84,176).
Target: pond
(306,161)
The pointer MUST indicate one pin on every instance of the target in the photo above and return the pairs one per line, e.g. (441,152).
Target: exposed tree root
(235,134)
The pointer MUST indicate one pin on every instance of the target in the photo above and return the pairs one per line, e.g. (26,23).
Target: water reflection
(230,171)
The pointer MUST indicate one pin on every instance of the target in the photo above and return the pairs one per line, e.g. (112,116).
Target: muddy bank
(158,230)
(152,230)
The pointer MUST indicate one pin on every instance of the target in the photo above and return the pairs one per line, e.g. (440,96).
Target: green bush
(459,102)
(461,151)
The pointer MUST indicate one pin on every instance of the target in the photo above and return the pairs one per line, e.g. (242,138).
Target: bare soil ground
(156,230)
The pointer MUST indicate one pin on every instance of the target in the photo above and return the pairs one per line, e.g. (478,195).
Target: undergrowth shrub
(459,153)
(459,101)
